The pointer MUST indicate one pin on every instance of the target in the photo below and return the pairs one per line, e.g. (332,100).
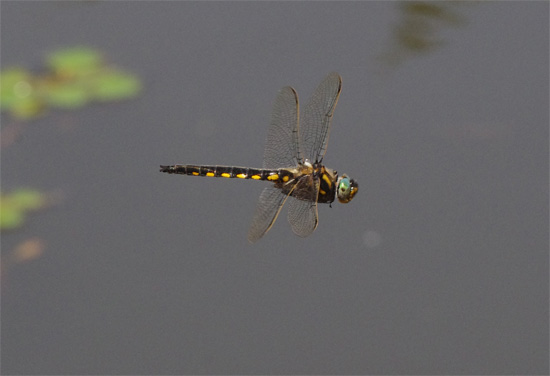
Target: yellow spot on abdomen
(273,177)
(195,173)
(211,174)
(285,178)
(226,175)
(256,177)
(241,176)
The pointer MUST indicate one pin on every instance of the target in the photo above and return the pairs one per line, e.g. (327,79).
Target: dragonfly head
(347,188)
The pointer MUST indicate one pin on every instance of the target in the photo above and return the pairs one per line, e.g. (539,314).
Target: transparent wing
(316,117)
(269,205)
(302,214)
(281,148)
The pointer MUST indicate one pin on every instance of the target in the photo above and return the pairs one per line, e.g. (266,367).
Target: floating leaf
(27,108)
(68,95)
(15,85)
(115,85)
(11,217)
(28,199)
(75,61)
(14,207)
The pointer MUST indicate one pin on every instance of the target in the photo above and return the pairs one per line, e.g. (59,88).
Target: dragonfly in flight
(293,155)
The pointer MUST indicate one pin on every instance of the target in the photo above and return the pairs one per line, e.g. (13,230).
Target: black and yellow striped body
(298,182)
(283,175)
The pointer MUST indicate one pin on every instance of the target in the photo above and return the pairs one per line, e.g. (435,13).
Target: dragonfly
(293,162)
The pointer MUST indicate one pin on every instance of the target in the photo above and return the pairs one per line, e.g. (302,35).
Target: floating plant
(74,78)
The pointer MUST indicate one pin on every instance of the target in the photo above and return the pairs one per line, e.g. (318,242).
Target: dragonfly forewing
(317,116)
(282,144)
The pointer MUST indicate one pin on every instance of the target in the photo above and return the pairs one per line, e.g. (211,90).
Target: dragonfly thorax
(327,183)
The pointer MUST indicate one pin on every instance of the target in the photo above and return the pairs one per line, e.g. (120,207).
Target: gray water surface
(438,266)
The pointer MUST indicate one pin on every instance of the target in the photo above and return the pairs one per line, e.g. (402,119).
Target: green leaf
(15,84)
(15,205)
(27,108)
(10,217)
(115,85)
(68,95)
(75,61)
(25,199)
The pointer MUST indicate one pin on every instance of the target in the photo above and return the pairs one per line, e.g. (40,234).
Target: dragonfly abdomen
(229,172)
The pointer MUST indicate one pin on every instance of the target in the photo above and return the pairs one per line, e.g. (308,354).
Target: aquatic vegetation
(74,78)
(16,205)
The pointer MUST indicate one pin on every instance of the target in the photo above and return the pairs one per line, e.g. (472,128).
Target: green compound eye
(347,188)
(344,185)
